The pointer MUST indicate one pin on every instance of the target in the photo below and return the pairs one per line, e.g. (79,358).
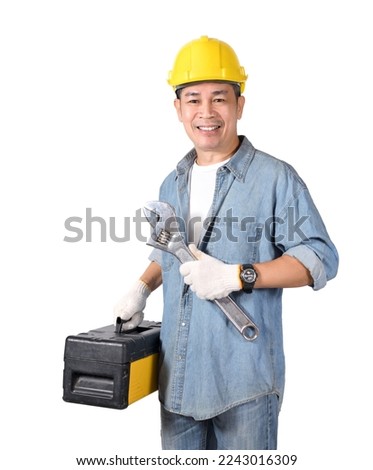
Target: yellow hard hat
(206,59)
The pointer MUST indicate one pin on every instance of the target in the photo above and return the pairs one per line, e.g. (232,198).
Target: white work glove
(131,305)
(209,277)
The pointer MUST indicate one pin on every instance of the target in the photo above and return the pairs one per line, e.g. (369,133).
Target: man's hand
(130,307)
(209,277)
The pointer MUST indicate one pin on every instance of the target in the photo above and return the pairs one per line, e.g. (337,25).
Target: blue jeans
(250,426)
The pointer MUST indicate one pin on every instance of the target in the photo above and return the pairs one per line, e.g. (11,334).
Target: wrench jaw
(159,237)
(165,234)
(160,214)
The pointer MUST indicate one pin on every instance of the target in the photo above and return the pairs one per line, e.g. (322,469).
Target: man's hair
(236,89)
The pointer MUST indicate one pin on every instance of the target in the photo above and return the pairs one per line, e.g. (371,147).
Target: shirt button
(183,324)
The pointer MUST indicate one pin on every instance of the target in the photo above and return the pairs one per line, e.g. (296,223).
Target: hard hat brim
(178,88)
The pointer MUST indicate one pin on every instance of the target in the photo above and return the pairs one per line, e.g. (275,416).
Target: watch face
(248,275)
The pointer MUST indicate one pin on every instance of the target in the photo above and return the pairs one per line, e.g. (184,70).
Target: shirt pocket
(235,241)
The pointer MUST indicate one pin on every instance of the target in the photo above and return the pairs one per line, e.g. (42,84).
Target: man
(257,231)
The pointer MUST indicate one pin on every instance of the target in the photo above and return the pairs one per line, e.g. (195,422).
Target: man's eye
(219,100)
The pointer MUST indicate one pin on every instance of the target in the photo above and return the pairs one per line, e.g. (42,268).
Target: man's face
(209,112)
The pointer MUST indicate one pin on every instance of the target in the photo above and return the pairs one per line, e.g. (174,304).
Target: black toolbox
(109,368)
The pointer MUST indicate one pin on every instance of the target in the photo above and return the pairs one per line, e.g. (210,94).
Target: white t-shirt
(201,192)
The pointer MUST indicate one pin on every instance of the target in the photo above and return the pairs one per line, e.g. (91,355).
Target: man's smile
(208,128)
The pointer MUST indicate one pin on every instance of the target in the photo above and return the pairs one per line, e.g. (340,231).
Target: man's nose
(206,110)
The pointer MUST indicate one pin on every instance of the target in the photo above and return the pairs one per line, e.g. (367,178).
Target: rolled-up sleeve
(156,256)
(312,262)
(304,237)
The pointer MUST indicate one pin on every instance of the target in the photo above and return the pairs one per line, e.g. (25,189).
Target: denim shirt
(261,209)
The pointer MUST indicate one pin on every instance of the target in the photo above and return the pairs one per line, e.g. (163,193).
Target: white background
(87,121)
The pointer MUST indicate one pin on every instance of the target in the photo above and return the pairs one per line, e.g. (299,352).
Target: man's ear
(177,105)
(240,106)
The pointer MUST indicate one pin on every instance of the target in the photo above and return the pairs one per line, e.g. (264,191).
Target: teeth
(211,128)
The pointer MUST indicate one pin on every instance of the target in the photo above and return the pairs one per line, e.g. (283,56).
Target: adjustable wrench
(167,237)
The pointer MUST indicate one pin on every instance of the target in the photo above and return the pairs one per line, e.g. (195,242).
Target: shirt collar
(240,161)
(237,165)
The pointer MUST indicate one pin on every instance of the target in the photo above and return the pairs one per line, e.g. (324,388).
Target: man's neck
(210,157)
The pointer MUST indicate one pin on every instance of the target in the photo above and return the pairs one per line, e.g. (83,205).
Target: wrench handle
(238,318)
(227,305)
(241,321)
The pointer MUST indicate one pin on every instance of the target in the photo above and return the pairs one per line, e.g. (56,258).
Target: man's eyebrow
(220,92)
(192,93)
(214,93)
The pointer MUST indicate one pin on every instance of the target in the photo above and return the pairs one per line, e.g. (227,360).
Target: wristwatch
(248,276)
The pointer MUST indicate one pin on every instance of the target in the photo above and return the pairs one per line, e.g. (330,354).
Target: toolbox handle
(118,326)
